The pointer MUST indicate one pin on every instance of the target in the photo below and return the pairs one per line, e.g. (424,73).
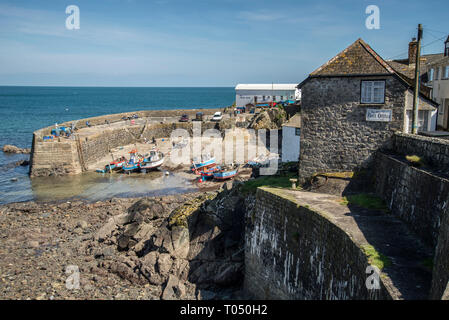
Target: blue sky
(201,42)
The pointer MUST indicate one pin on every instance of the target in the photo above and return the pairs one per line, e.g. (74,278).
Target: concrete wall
(335,135)
(293,252)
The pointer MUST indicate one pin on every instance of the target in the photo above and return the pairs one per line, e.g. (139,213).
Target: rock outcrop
(7,148)
(269,119)
(190,250)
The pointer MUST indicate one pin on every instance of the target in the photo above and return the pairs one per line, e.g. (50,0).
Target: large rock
(174,290)
(7,148)
(106,231)
(181,242)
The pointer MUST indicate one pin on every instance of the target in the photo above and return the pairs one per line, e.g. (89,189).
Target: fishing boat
(133,164)
(206,161)
(263,160)
(208,173)
(114,165)
(154,160)
(226,173)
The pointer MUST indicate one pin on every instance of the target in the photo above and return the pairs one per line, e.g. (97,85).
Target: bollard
(293,181)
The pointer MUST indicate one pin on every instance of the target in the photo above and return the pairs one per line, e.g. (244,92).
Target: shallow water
(98,186)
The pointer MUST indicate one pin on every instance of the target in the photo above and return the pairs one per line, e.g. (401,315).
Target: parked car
(184,118)
(199,116)
(217,116)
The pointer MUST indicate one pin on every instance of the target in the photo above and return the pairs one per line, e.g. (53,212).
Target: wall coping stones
(386,233)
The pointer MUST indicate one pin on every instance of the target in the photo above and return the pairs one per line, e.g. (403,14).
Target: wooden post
(417,82)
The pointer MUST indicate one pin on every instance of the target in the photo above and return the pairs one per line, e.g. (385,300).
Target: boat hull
(201,165)
(225,174)
(151,165)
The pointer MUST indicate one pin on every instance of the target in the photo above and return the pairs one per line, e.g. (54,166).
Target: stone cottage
(351,106)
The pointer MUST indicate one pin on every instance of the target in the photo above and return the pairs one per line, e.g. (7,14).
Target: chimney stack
(412,48)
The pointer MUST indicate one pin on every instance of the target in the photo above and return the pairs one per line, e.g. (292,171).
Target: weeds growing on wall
(365,200)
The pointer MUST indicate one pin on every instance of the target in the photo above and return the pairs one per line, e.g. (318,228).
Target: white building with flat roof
(265,93)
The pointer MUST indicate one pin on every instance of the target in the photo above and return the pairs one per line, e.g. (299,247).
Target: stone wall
(440,278)
(420,198)
(434,151)
(72,156)
(294,252)
(58,158)
(335,135)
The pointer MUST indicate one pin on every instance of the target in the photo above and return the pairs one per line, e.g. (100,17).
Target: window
(298,131)
(274,98)
(446,72)
(263,98)
(431,71)
(373,92)
(437,73)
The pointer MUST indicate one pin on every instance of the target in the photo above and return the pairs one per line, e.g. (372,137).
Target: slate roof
(359,59)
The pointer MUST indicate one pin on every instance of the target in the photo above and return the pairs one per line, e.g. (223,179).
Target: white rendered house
(265,93)
(291,139)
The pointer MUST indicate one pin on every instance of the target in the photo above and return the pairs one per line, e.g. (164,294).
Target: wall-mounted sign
(378,115)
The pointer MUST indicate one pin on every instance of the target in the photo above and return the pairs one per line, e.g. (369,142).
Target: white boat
(152,161)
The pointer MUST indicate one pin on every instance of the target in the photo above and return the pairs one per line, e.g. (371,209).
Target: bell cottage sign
(378,115)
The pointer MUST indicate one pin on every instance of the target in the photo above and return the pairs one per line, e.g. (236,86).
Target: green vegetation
(180,215)
(269,181)
(375,258)
(365,200)
(346,174)
(415,160)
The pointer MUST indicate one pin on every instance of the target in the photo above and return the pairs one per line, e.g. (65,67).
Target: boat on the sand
(154,160)
(226,172)
(206,161)
(134,162)
(113,166)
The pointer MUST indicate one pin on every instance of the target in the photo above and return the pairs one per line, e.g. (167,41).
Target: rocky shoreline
(186,246)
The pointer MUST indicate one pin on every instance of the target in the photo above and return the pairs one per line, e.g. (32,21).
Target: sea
(26,109)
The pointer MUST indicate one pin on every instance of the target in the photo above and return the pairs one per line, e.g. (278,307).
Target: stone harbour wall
(420,198)
(335,135)
(72,156)
(56,158)
(294,252)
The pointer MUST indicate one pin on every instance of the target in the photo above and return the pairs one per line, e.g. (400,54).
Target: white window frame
(367,92)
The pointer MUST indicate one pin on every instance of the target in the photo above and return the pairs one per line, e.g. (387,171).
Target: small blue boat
(226,173)
(133,164)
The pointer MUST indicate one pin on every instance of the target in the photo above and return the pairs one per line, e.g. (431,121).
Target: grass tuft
(365,200)
(375,258)
(415,160)
(269,181)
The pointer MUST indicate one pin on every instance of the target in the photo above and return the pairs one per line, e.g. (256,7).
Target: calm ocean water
(26,109)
